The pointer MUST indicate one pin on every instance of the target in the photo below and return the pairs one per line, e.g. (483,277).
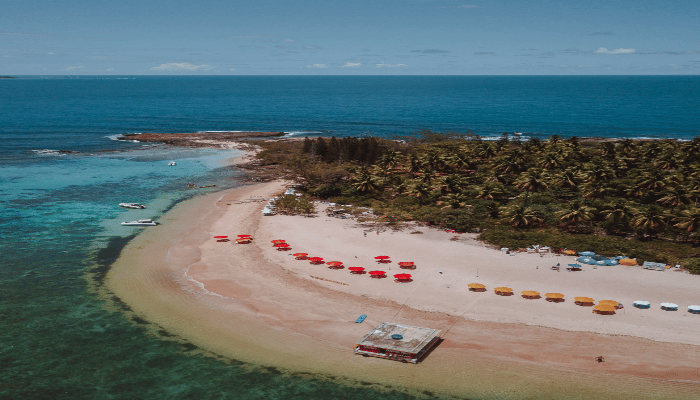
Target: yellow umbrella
(570,252)
(613,303)
(584,299)
(503,289)
(530,293)
(554,295)
(628,261)
(604,308)
(476,286)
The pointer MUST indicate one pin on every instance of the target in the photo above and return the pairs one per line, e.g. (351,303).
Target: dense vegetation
(636,198)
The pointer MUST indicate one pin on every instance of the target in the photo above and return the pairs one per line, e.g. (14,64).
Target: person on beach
(600,359)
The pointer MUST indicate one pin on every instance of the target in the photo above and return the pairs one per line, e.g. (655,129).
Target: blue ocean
(63,173)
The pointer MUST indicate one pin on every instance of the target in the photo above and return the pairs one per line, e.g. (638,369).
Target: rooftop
(412,341)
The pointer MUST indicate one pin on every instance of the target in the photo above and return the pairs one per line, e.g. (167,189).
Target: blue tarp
(653,265)
(597,260)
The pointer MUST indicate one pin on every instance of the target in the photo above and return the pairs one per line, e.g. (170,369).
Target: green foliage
(692,265)
(292,204)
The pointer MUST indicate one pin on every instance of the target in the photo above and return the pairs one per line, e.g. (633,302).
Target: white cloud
(603,50)
(181,67)
(78,68)
(317,66)
(385,65)
(351,65)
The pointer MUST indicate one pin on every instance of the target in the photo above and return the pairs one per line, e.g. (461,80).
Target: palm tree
(453,200)
(577,213)
(596,191)
(689,220)
(486,151)
(421,191)
(550,160)
(489,191)
(569,178)
(450,184)
(365,182)
(675,196)
(607,149)
(532,181)
(618,214)
(597,173)
(650,220)
(519,216)
(627,145)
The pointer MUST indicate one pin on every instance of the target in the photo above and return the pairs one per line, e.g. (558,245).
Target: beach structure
(398,342)
(641,304)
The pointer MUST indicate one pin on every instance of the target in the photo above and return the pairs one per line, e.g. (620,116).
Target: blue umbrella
(586,253)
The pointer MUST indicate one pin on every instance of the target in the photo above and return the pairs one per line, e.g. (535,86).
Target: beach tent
(669,306)
(476,287)
(357,270)
(694,309)
(530,294)
(641,304)
(377,274)
(628,261)
(503,291)
(604,309)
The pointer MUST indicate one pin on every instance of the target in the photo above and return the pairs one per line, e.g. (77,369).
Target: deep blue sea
(59,218)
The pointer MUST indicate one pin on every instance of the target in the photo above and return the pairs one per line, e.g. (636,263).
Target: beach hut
(583,301)
(357,270)
(628,261)
(382,259)
(316,260)
(530,294)
(694,309)
(335,264)
(669,306)
(407,265)
(300,256)
(503,291)
(398,342)
(402,278)
(641,304)
(377,274)
(554,297)
(476,287)
(604,309)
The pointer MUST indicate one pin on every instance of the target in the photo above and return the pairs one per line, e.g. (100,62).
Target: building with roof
(398,342)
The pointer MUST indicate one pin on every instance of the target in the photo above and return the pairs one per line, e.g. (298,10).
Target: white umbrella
(669,306)
(694,308)
(641,303)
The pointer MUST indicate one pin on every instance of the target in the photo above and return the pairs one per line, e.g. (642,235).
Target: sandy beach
(256,304)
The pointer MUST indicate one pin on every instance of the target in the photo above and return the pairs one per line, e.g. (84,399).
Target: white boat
(132,205)
(172,163)
(141,222)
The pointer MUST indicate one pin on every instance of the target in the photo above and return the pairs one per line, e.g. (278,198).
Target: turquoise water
(59,218)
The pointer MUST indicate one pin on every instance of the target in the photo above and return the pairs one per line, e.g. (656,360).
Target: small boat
(141,222)
(133,205)
(360,318)
(172,163)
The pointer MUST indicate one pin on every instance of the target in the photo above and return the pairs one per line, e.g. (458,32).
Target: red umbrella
(315,260)
(244,236)
(382,259)
(223,240)
(220,237)
(402,277)
(300,254)
(377,274)
(284,248)
(281,245)
(335,264)
(407,265)
(357,270)
(277,241)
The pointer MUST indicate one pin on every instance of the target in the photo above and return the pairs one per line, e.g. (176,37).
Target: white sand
(257,304)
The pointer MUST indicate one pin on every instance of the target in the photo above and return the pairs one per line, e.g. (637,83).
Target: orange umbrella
(613,303)
(530,294)
(503,291)
(583,301)
(628,261)
(554,295)
(604,309)
(570,252)
(476,286)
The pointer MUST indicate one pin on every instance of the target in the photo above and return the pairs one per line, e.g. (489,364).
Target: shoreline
(256,292)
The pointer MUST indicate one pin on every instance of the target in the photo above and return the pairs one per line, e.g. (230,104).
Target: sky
(349,37)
